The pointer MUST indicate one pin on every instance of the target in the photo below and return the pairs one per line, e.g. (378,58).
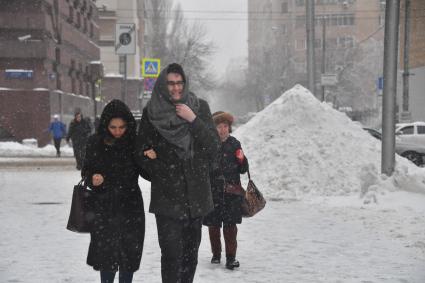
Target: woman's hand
(184,112)
(239,155)
(150,153)
(97,180)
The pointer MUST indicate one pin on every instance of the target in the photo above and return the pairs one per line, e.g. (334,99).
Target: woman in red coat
(225,179)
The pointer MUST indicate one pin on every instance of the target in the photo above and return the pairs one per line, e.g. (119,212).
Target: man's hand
(97,180)
(184,112)
(150,153)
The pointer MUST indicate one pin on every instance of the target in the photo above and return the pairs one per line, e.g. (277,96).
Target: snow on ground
(299,147)
(330,217)
(15,149)
(289,241)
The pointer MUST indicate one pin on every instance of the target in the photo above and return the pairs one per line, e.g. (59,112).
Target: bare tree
(174,40)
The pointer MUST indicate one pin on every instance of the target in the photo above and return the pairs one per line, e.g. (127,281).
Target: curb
(13,162)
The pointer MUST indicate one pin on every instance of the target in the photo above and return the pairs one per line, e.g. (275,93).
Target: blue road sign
(151,67)
(380,83)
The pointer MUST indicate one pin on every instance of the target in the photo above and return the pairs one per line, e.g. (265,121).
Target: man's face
(175,86)
(78,117)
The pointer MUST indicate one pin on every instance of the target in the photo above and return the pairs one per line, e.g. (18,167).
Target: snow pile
(14,149)
(298,146)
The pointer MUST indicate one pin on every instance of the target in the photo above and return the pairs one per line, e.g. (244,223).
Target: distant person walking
(227,193)
(78,133)
(58,131)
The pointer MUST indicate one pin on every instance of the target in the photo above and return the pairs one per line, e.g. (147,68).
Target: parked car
(411,151)
(411,132)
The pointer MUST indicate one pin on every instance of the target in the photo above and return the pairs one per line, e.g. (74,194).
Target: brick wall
(111,88)
(26,114)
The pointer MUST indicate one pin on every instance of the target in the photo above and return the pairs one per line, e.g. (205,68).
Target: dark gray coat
(179,188)
(227,206)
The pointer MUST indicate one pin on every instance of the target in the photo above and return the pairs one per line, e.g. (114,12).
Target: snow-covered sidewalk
(323,240)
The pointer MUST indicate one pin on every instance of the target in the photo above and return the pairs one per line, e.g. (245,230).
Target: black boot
(231,262)
(216,259)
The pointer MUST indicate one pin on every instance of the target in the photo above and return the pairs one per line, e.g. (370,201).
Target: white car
(413,152)
(413,133)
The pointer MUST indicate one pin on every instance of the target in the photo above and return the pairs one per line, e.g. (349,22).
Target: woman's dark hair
(117,109)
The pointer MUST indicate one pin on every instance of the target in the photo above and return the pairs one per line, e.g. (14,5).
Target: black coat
(79,132)
(119,227)
(180,188)
(227,207)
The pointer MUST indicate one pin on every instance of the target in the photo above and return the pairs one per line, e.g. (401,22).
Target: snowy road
(290,241)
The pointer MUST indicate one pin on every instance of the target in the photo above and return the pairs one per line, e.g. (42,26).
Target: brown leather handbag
(253,201)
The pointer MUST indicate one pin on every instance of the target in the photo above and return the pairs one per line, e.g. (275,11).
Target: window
(58,81)
(421,130)
(300,21)
(300,3)
(91,30)
(407,130)
(78,23)
(57,55)
(71,14)
(300,44)
(284,7)
(85,25)
(284,28)
(345,42)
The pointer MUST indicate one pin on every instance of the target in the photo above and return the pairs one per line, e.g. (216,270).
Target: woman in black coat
(111,172)
(227,192)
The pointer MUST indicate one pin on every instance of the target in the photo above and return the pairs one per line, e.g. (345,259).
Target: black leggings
(108,277)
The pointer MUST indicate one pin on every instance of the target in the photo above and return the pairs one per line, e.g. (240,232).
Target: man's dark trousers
(179,241)
(57,143)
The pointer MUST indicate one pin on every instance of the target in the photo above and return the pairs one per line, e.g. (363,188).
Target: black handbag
(253,201)
(82,214)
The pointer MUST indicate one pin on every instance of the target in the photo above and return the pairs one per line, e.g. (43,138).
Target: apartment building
(49,63)
(277,42)
(112,12)
(416,45)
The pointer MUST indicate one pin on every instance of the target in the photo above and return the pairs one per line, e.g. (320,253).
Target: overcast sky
(226,24)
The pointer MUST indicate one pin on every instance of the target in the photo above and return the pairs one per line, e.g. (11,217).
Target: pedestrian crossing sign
(151,67)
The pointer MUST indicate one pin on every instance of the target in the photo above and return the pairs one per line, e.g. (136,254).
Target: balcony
(26,49)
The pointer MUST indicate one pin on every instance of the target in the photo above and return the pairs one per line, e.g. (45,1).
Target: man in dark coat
(176,143)
(78,133)
(111,172)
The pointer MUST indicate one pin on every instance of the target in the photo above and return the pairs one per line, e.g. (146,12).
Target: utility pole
(390,86)
(311,66)
(124,94)
(323,54)
(406,115)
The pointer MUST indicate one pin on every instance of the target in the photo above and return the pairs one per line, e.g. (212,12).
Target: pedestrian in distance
(58,131)
(176,143)
(227,192)
(78,132)
(110,170)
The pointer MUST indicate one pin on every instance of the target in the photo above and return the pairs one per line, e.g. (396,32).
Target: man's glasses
(175,83)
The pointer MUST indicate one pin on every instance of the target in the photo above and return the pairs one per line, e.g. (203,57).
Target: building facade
(112,12)
(49,63)
(277,47)
(416,101)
